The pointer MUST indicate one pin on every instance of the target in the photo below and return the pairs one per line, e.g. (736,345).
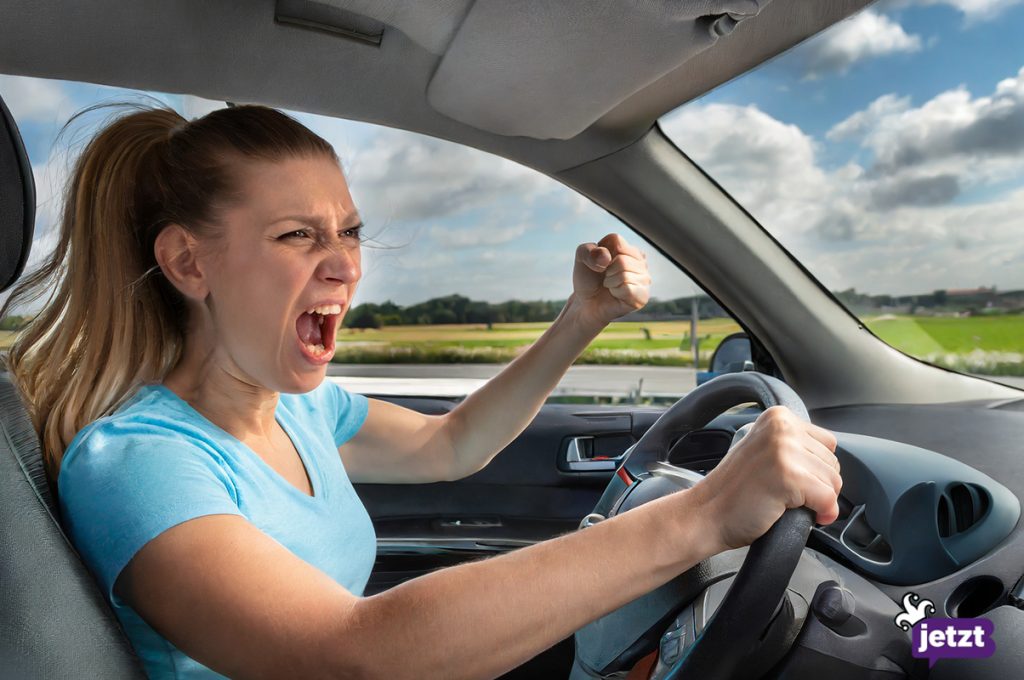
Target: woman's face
(291,244)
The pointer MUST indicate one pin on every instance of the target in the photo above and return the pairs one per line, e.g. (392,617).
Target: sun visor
(549,70)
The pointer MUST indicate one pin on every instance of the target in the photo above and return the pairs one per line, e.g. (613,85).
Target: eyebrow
(312,220)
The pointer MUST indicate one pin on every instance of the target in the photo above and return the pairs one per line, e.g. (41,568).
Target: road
(456,380)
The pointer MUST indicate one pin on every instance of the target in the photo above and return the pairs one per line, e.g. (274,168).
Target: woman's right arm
(236,600)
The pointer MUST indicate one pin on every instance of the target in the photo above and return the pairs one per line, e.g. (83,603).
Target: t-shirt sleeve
(345,411)
(122,484)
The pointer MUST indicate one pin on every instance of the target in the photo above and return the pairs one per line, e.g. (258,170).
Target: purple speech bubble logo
(938,638)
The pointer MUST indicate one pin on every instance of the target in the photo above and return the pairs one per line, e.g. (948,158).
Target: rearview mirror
(731,356)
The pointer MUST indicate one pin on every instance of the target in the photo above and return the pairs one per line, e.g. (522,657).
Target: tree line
(459,309)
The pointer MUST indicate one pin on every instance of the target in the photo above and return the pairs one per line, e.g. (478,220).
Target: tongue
(308,327)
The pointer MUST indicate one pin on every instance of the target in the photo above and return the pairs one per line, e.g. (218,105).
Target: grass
(919,335)
(656,343)
(990,345)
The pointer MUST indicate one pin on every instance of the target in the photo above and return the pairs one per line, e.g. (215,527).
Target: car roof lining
(241,53)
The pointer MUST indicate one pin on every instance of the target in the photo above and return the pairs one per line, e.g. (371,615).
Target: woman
(205,467)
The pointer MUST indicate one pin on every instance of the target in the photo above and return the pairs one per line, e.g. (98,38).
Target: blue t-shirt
(157,462)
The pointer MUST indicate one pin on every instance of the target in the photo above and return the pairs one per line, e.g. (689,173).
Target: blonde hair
(114,322)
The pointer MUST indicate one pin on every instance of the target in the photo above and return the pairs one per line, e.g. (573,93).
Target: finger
(616,280)
(822,499)
(821,451)
(626,263)
(631,293)
(825,472)
(617,244)
(824,436)
(593,256)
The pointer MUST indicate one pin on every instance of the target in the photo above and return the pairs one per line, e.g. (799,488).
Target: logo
(936,638)
(912,613)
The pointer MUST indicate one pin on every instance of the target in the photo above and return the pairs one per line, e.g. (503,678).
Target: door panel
(529,492)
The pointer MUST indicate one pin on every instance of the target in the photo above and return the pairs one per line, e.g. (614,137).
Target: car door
(540,486)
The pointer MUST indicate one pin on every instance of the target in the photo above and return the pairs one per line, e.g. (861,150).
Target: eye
(355,232)
(300,233)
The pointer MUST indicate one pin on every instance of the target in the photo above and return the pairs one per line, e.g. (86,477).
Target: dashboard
(930,496)
(929,506)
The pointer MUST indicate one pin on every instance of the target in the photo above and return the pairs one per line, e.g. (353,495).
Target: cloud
(863,36)
(936,203)
(397,175)
(767,164)
(953,126)
(915,191)
(976,10)
(480,235)
(36,99)
(862,121)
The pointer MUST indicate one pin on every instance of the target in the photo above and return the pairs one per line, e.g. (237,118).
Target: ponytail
(114,322)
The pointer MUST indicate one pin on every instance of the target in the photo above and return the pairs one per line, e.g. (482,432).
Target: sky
(887,154)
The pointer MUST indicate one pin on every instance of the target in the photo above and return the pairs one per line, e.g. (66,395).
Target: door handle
(579,455)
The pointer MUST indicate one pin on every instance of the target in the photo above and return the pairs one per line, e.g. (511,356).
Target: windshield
(887,155)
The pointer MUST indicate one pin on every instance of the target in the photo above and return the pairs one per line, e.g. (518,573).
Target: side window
(467,259)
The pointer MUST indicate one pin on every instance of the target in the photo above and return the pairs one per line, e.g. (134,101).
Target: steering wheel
(757,592)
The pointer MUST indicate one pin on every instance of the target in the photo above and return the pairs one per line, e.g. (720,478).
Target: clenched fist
(610,279)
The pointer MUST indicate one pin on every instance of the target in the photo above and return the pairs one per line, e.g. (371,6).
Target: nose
(341,264)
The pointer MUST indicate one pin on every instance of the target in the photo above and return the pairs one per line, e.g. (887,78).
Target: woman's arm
(236,600)
(399,445)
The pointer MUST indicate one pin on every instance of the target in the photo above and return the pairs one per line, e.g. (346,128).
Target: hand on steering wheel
(783,462)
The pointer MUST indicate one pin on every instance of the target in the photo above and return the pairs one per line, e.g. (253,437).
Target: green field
(656,343)
(992,345)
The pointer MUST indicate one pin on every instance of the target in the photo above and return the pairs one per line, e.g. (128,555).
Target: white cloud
(976,10)
(765,163)
(397,175)
(953,126)
(36,99)
(481,235)
(862,121)
(906,220)
(863,36)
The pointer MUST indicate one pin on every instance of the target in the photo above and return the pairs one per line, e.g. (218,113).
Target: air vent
(960,508)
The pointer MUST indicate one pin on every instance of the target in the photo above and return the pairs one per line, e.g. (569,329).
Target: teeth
(315,349)
(324,310)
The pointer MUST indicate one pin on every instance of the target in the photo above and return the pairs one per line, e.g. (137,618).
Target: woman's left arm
(399,445)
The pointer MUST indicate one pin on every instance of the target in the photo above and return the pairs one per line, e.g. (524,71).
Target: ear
(176,252)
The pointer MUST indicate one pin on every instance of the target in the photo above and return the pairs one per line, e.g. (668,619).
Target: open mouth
(316,331)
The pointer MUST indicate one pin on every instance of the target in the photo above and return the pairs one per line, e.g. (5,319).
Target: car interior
(930,457)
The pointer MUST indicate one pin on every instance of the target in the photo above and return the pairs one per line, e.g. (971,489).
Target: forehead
(313,185)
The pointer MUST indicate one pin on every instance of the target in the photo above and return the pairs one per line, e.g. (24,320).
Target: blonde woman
(205,467)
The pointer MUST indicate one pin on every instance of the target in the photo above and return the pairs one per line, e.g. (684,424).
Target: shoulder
(343,411)
(147,427)
(129,476)
(329,394)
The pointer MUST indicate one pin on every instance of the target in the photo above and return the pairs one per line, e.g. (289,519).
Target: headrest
(17,201)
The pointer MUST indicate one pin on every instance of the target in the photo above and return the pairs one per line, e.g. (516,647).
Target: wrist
(694,524)
(576,314)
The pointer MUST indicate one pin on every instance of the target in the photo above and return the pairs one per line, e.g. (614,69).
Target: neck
(213,386)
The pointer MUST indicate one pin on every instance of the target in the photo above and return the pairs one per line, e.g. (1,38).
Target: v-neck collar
(309,469)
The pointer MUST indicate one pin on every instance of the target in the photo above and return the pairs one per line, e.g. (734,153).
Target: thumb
(594,256)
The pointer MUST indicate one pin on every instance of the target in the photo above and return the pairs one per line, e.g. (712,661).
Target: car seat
(54,622)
